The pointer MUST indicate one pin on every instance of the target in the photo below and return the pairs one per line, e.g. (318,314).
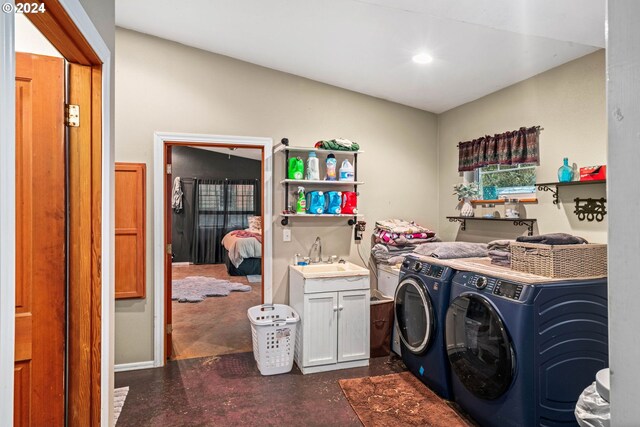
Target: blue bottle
(565,172)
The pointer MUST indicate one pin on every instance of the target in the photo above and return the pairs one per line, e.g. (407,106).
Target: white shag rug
(197,288)
(119,396)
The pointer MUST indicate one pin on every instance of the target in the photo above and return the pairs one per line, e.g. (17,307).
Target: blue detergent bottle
(315,202)
(333,202)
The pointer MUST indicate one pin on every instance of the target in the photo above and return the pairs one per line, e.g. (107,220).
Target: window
(511,181)
(226,205)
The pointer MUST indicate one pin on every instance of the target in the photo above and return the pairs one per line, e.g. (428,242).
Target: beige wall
(165,86)
(569,103)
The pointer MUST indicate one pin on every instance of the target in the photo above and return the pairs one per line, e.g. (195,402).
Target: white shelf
(318,150)
(319,182)
(321,215)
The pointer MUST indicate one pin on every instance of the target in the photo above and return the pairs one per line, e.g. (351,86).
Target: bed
(243,252)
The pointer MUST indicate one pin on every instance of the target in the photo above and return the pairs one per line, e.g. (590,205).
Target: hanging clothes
(176,199)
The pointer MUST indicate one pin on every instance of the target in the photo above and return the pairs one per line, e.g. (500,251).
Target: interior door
(40,242)
(168,253)
(320,328)
(353,329)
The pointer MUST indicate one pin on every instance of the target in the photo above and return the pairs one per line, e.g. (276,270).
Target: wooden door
(320,328)
(353,325)
(168,253)
(130,237)
(40,242)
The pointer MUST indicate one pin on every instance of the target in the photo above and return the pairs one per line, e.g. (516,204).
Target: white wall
(569,103)
(623,113)
(165,86)
(30,40)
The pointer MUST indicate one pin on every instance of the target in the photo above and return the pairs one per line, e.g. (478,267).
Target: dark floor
(229,391)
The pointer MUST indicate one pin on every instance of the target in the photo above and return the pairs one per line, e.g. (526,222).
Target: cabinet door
(353,325)
(320,328)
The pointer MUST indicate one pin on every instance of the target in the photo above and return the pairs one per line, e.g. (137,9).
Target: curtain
(508,148)
(220,206)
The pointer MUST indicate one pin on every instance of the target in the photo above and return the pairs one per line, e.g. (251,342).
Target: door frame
(70,17)
(161,140)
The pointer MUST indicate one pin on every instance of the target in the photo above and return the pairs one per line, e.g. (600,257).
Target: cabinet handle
(341,308)
(335,308)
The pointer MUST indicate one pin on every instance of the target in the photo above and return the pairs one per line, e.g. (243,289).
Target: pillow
(255,222)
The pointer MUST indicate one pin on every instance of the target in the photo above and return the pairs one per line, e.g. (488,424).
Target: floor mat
(398,400)
(119,396)
(197,288)
(254,278)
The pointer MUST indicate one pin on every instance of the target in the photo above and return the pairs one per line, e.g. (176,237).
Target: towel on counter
(451,250)
(391,255)
(553,239)
(176,198)
(500,245)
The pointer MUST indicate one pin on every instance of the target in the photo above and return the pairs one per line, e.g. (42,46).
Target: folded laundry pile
(553,239)
(451,250)
(395,238)
(500,253)
(338,144)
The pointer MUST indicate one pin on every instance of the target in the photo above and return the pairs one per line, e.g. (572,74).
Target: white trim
(7,216)
(124,367)
(160,138)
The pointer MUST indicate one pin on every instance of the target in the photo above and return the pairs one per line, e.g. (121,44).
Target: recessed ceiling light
(422,58)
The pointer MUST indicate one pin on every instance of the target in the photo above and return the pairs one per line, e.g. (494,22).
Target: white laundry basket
(273,327)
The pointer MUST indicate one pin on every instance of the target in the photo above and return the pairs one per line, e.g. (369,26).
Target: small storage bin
(381,324)
(273,328)
(560,261)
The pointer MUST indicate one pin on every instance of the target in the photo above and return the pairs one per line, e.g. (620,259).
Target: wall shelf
(589,208)
(352,218)
(320,182)
(553,186)
(528,222)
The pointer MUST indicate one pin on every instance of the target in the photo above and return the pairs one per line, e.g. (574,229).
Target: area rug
(254,278)
(398,400)
(197,288)
(119,396)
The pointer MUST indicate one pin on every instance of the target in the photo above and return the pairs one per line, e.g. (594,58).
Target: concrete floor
(229,391)
(216,326)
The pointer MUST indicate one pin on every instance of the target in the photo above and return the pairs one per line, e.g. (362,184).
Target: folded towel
(400,226)
(451,250)
(499,254)
(384,254)
(553,239)
(500,244)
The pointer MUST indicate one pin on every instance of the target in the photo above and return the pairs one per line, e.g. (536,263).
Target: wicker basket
(589,260)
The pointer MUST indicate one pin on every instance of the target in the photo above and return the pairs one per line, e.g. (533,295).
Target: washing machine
(522,352)
(420,305)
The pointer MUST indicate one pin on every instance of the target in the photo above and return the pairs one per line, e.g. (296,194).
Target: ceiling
(478,46)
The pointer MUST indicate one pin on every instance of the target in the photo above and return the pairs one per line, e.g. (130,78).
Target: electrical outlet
(286,234)
(358,230)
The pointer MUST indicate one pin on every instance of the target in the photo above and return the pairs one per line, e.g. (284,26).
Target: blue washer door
(478,346)
(414,313)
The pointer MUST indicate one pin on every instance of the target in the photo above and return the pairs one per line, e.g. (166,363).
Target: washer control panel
(508,290)
(435,271)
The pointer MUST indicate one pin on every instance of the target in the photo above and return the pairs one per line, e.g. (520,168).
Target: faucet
(316,244)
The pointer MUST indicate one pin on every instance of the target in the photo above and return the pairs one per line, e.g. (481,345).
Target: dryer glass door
(479,347)
(414,314)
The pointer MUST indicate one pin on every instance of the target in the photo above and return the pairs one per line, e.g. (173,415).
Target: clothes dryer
(521,353)
(421,302)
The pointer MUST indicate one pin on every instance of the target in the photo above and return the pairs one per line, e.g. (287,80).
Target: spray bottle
(301,204)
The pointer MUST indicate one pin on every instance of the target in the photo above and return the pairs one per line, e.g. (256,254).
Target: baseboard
(123,367)
(181,264)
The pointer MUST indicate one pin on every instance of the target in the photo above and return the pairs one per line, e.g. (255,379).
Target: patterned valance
(509,148)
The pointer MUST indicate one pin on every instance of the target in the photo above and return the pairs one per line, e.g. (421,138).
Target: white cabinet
(334,315)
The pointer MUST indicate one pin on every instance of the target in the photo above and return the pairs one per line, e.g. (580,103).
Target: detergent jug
(349,202)
(315,202)
(313,167)
(346,171)
(333,203)
(296,168)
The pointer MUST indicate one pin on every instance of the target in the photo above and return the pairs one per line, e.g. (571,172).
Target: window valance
(509,148)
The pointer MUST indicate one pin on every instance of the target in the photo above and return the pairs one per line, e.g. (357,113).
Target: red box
(593,173)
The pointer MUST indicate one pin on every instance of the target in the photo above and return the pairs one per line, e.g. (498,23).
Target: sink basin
(330,270)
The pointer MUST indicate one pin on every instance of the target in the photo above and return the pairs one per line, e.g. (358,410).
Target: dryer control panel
(498,287)
(508,290)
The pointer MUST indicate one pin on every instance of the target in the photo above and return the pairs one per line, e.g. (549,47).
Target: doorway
(213,199)
(216,248)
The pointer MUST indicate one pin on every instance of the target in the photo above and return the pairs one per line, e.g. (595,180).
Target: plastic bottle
(296,168)
(301,204)
(331,168)
(346,171)
(313,167)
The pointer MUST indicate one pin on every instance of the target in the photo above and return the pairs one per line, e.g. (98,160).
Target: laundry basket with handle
(273,328)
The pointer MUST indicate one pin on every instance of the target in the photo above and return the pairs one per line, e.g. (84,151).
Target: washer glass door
(414,315)
(479,347)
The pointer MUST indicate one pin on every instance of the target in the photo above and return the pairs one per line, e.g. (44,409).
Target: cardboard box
(593,173)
